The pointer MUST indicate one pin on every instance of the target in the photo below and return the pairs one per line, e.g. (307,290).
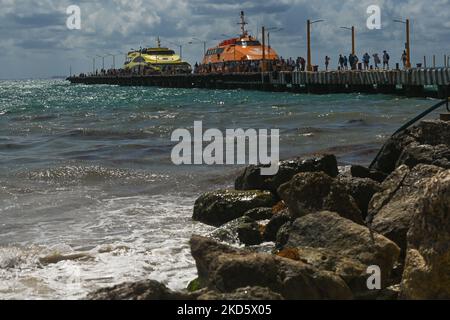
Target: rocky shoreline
(312,232)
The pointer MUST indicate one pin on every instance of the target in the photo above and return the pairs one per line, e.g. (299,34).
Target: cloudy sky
(35,41)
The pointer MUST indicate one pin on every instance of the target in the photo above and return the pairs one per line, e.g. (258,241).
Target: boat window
(214,51)
(248,43)
(138,60)
(160,53)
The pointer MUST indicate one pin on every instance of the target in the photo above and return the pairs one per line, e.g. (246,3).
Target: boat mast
(244,32)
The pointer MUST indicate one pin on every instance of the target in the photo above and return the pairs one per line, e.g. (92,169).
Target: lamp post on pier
(352,29)
(408,43)
(308,31)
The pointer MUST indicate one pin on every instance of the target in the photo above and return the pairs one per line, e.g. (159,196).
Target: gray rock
(251,178)
(362,190)
(219,207)
(391,210)
(396,152)
(341,246)
(427,266)
(226,269)
(311,192)
(143,290)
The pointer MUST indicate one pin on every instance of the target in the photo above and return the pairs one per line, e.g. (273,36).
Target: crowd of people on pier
(344,63)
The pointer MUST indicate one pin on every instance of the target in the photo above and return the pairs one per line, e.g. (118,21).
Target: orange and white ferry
(244,48)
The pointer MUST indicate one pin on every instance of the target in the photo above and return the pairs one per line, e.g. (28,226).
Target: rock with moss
(259,214)
(219,207)
(226,269)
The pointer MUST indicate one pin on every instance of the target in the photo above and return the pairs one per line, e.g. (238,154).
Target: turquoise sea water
(86,170)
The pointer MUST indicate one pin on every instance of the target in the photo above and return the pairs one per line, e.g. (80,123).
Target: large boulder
(248,293)
(391,210)
(311,192)
(219,207)
(362,190)
(424,143)
(225,269)
(251,177)
(427,265)
(143,290)
(330,242)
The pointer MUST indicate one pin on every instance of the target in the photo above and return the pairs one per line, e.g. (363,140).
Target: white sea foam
(132,238)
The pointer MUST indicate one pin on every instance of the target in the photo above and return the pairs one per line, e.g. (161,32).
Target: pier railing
(414,82)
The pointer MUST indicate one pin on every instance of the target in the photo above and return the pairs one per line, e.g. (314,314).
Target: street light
(269,31)
(103,61)
(201,41)
(309,23)
(408,44)
(180,46)
(93,63)
(352,29)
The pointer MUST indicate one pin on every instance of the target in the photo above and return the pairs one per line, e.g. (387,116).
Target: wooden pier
(413,83)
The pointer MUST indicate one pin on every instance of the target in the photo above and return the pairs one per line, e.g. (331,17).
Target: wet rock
(311,192)
(426,273)
(251,178)
(347,247)
(432,133)
(249,233)
(259,214)
(143,290)
(219,207)
(248,293)
(362,190)
(274,225)
(392,209)
(226,269)
(229,231)
(363,172)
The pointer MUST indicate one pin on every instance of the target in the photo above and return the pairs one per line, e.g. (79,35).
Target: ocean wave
(92,133)
(92,174)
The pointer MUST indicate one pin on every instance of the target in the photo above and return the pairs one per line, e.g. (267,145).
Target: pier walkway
(414,82)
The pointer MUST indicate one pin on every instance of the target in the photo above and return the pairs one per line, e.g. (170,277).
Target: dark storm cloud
(117,25)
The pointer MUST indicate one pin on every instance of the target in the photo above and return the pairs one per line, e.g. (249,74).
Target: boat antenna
(242,24)
(158,42)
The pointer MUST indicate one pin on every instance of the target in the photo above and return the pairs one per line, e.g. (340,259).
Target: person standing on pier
(345,63)
(366,60)
(302,63)
(404,59)
(327,62)
(341,61)
(376,60)
(386,60)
